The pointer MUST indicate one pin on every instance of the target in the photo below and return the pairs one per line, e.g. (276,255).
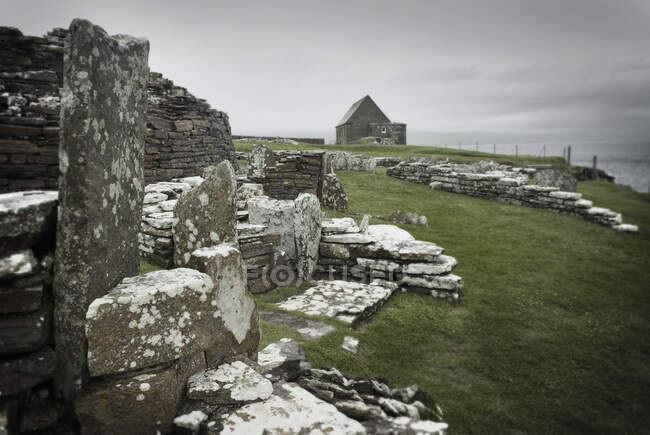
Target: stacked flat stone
(184,134)
(286,174)
(155,239)
(31,72)
(386,253)
(508,185)
(27,360)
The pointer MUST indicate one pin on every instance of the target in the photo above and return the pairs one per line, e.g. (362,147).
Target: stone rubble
(506,184)
(343,161)
(408,218)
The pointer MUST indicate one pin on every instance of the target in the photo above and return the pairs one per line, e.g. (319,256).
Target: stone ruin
(89,346)
(503,183)
(183,133)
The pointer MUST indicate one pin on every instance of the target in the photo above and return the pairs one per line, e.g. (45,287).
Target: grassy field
(552,334)
(553,331)
(405,151)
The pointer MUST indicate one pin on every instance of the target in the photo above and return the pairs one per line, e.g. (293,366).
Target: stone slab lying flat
(339,225)
(293,410)
(25,217)
(308,329)
(151,319)
(229,384)
(347,301)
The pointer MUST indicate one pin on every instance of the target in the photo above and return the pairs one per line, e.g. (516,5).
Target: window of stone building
(383,130)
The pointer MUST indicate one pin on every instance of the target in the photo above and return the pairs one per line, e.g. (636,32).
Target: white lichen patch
(229,383)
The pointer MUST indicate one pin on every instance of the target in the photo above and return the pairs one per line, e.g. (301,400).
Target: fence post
(594,170)
(494,148)
(568,155)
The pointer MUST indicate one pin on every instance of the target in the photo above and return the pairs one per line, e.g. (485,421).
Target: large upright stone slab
(206,215)
(307,232)
(103,115)
(277,215)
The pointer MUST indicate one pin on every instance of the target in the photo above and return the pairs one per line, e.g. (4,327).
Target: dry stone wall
(27,357)
(510,186)
(184,135)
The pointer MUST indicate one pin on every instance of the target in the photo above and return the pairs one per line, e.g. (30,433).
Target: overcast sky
(544,70)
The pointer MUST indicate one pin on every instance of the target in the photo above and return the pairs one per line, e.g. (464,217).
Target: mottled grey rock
(103,126)
(139,404)
(21,333)
(40,414)
(191,421)
(408,218)
(350,302)
(350,344)
(152,319)
(442,264)
(563,180)
(26,218)
(334,196)
(292,411)
(339,225)
(237,331)
(348,238)
(285,354)
(19,373)
(17,264)
(307,328)
(334,250)
(448,282)
(363,226)
(206,215)
(229,384)
(20,300)
(278,216)
(245,192)
(307,233)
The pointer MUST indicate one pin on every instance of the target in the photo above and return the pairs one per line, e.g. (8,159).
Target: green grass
(146,267)
(405,151)
(552,334)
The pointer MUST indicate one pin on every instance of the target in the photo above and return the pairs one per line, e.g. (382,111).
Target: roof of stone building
(354,108)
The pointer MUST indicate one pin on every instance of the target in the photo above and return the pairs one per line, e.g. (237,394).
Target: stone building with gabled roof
(364,120)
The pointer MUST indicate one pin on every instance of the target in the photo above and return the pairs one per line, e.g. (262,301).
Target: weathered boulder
(229,384)
(334,196)
(17,264)
(258,159)
(206,215)
(238,332)
(26,218)
(103,127)
(285,354)
(307,232)
(278,216)
(339,225)
(292,411)
(334,250)
(563,180)
(151,319)
(408,218)
(144,403)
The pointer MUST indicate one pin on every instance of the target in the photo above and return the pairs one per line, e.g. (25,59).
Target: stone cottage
(366,120)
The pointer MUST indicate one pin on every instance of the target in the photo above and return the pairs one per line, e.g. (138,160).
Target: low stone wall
(27,358)
(365,253)
(287,174)
(278,139)
(508,186)
(342,161)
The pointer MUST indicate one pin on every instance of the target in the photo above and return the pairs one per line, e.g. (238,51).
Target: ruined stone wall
(310,140)
(508,187)
(184,134)
(27,358)
(287,174)
(31,71)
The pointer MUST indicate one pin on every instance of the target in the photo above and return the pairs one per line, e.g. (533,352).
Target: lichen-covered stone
(26,218)
(334,250)
(17,264)
(350,302)
(245,192)
(285,355)
(308,329)
(234,304)
(307,233)
(334,196)
(152,319)
(408,218)
(563,180)
(278,216)
(103,125)
(140,404)
(206,215)
(229,384)
(292,411)
(339,225)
